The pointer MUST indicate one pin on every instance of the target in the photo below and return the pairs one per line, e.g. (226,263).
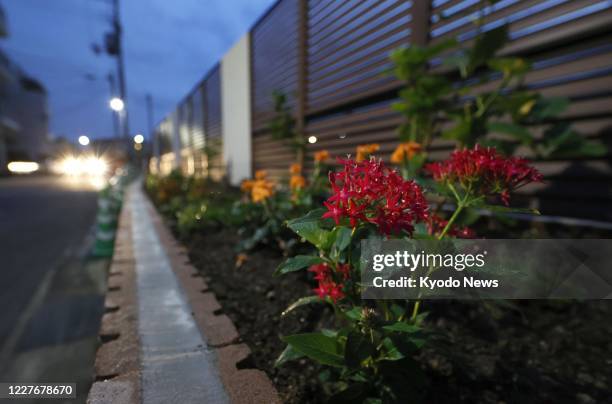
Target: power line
(49,58)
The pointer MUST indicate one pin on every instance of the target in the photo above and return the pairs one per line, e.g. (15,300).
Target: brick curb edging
(117,360)
(243,385)
(117,366)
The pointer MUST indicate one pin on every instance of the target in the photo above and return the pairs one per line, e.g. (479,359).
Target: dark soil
(254,299)
(504,352)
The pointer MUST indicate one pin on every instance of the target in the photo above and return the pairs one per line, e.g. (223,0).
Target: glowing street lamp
(116,104)
(138,139)
(83,140)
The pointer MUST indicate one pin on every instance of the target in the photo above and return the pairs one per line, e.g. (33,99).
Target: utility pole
(152,138)
(115,115)
(116,49)
(149,102)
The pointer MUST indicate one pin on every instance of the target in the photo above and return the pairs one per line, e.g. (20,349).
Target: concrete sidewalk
(164,339)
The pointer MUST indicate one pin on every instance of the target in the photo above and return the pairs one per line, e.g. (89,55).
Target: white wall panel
(236,111)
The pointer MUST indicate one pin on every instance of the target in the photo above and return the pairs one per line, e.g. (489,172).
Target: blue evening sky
(168,46)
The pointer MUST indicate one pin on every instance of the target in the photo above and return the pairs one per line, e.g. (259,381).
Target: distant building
(23,112)
(23,115)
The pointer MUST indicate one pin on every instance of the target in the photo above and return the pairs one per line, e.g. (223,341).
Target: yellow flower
(246,185)
(365,150)
(261,174)
(295,168)
(262,190)
(322,155)
(297,182)
(527,107)
(241,259)
(404,151)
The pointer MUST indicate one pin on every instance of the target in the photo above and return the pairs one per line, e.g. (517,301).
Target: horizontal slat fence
(274,67)
(568,42)
(213,125)
(331,59)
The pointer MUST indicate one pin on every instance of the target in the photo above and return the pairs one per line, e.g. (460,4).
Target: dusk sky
(168,46)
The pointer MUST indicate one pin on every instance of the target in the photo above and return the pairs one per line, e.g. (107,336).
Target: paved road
(42,221)
(51,294)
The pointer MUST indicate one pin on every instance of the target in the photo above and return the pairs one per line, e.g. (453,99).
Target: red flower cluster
(486,171)
(436,224)
(369,192)
(327,285)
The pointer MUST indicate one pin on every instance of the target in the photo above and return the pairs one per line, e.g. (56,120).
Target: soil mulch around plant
(479,352)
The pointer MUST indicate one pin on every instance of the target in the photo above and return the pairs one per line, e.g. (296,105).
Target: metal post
(121,68)
(153,138)
(302,73)
(115,115)
(149,102)
(420,22)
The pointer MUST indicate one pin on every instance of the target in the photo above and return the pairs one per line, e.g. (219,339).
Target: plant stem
(451,220)
(460,205)
(415,310)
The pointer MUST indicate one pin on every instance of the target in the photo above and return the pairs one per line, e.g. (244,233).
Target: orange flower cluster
(260,188)
(365,150)
(297,180)
(295,168)
(405,151)
(321,156)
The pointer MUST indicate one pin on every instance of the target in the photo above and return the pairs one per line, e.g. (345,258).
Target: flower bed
(528,351)
(517,352)
(283,255)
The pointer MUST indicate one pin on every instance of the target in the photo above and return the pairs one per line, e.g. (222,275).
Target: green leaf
(298,262)
(549,107)
(308,227)
(461,132)
(342,237)
(517,131)
(591,149)
(354,313)
(330,333)
(358,348)
(459,61)
(509,66)
(317,346)
(391,351)
(505,147)
(559,135)
(507,209)
(402,327)
(487,45)
(303,301)
(288,354)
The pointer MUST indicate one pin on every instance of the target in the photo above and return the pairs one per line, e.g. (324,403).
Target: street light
(138,139)
(83,140)
(116,104)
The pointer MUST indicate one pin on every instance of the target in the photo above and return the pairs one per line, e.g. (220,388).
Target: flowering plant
(472,177)
(373,348)
(436,104)
(372,352)
(318,177)
(409,157)
(364,151)
(266,205)
(283,125)
(369,192)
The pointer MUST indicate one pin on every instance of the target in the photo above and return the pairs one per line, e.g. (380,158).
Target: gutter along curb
(140,349)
